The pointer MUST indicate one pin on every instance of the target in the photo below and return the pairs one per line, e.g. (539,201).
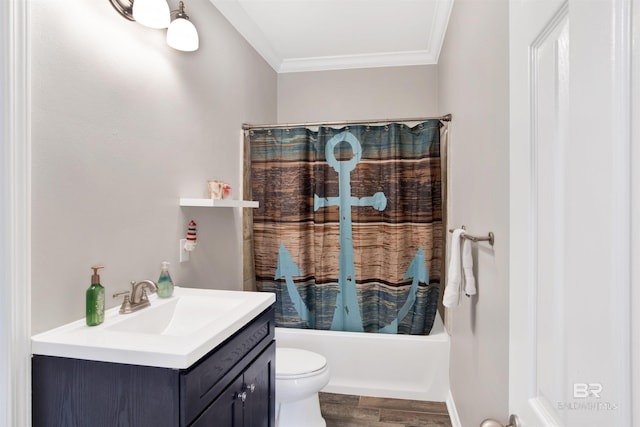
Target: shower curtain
(349,234)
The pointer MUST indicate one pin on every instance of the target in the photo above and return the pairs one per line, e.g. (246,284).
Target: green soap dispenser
(95,299)
(165,284)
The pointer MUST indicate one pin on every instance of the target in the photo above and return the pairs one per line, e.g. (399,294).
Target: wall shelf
(218,203)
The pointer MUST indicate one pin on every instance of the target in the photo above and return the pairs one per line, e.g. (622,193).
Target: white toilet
(300,375)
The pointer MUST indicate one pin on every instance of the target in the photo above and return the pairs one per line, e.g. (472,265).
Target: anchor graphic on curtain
(347,315)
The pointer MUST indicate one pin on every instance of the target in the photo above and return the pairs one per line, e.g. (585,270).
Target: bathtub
(380,365)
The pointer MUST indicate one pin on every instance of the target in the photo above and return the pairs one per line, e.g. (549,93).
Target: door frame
(635,211)
(15,214)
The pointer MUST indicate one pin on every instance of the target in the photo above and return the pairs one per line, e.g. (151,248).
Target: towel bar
(489,238)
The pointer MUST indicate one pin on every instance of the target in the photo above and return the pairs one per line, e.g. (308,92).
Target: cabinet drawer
(202,383)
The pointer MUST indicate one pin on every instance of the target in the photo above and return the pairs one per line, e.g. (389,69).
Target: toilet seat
(292,363)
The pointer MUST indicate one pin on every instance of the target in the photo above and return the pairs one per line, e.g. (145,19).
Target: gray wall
(369,93)
(123,126)
(474,83)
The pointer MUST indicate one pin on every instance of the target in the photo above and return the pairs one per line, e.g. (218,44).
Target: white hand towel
(467,267)
(454,277)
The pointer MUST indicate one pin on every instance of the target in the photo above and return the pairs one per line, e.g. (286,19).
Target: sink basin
(171,333)
(180,316)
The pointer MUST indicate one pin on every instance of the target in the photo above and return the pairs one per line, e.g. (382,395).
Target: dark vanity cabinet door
(249,401)
(226,410)
(232,386)
(260,386)
(247,352)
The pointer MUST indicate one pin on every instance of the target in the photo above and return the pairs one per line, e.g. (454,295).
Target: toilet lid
(292,362)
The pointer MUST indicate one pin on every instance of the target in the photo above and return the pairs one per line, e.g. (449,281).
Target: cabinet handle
(242,396)
(250,388)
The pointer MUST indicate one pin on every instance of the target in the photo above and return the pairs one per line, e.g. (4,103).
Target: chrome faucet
(137,298)
(139,291)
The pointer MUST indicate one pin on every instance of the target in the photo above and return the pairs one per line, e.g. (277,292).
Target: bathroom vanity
(232,383)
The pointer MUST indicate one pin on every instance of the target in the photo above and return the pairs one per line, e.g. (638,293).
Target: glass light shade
(152,13)
(182,35)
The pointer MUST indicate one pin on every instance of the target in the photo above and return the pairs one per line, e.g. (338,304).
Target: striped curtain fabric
(349,234)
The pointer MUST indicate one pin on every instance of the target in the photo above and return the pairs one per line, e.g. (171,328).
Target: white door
(570,197)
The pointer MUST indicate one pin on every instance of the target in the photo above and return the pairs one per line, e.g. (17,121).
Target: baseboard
(453,412)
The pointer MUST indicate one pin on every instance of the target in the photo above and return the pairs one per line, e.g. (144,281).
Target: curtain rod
(245,126)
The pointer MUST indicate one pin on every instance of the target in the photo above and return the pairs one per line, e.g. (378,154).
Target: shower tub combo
(348,278)
(417,367)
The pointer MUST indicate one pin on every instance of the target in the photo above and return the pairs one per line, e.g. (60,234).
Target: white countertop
(135,338)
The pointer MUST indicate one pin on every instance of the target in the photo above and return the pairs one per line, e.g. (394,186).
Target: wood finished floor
(341,410)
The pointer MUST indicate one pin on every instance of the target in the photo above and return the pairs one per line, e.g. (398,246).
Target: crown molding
(234,12)
(387,59)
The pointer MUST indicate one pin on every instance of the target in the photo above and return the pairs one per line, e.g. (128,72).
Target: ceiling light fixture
(181,35)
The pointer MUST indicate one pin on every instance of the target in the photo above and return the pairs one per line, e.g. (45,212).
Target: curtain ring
(386,127)
(251,132)
(269,132)
(287,131)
